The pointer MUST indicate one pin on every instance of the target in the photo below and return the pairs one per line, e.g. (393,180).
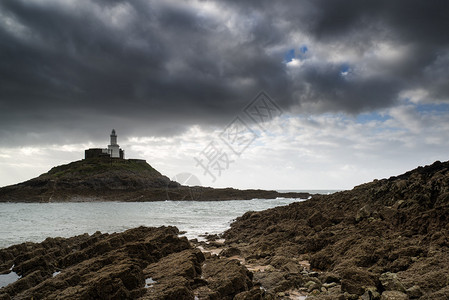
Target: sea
(34,222)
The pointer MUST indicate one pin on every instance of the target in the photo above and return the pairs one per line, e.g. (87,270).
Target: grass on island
(94,166)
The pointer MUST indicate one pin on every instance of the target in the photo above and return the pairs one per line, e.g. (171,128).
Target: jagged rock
(393,295)
(317,219)
(291,268)
(397,225)
(211,237)
(414,292)
(440,294)
(285,264)
(329,277)
(274,281)
(95,266)
(363,213)
(371,293)
(390,282)
(227,277)
(329,285)
(311,285)
(232,251)
(140,263)
(175,276)
(254,294)
(355,280)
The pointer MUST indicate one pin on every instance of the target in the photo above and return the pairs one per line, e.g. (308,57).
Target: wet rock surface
(140,263)
(88,266)
(388,239)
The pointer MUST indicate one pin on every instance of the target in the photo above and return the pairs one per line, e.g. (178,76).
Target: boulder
(227,277)
(255,293)
(317,219)
(363,213)
(272,281)
(312,285)
(371,293)
(329,277)
(393,295)
(355,280)
(414,292)
(390,282)
(232,251)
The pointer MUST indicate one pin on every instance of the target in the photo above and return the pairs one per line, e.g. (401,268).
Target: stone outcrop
(88,266)
(386,239)
(140,263)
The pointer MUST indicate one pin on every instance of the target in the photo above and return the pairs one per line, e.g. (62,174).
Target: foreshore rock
(140,263)
(388,239)
(88,266)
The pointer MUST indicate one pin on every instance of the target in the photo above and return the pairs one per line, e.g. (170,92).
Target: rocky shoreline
(388,239)
(384,240)
(140,263)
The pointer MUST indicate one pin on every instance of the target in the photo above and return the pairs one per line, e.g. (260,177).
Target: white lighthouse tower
(114,148)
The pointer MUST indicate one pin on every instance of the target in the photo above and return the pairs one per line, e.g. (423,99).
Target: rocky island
(385,240)
(105,175)
(115,179)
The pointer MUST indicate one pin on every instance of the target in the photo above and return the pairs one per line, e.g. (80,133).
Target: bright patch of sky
(345,69)
(327,151)
(292,54)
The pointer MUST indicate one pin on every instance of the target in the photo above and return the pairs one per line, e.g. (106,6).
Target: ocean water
(20,222)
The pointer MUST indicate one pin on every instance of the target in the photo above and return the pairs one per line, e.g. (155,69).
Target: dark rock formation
(85,267)
(388,238)
(106,179)
(140,263)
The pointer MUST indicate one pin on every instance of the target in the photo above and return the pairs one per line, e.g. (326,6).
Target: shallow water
(20,222)
(6,279)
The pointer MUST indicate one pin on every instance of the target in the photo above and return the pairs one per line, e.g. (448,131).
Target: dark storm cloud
(352,95)
(75,69)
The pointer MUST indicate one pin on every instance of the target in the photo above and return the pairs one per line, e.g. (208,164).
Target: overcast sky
(357,90)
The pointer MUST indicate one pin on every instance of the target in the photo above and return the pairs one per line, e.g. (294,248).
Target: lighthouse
(114,149)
